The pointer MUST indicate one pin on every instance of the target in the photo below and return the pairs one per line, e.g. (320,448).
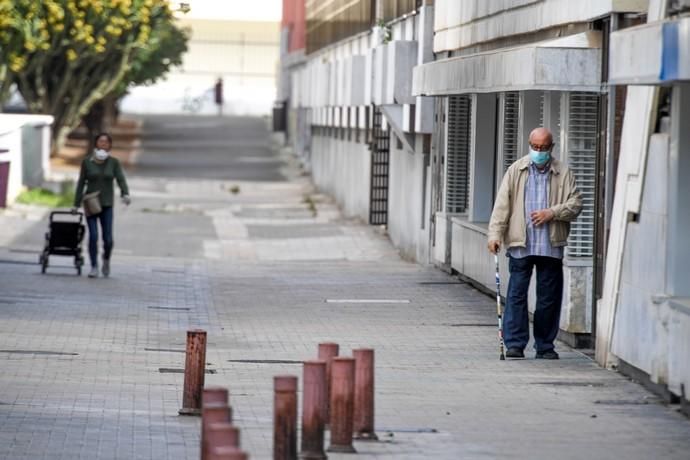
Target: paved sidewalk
(269,280)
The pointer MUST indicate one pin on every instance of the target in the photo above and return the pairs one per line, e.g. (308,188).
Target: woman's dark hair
(106,135)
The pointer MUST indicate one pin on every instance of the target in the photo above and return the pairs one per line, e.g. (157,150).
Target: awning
(570,63)
(651,54)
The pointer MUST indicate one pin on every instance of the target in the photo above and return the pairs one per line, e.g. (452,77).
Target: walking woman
(96,182)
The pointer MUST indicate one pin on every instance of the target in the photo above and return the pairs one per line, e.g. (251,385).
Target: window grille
(511,118)
(458,153)
(583,123)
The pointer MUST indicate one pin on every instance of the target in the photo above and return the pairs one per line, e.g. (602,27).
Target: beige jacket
(508,217)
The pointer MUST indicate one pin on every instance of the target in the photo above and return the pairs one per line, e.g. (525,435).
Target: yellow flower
(71,55)
(17,63)
(99,48)
(59,27)
(30,46)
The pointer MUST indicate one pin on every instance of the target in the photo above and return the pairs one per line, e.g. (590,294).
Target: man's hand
(494,246)
(541,217)
(126,200)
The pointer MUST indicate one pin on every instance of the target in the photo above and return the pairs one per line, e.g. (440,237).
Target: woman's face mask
(101,154)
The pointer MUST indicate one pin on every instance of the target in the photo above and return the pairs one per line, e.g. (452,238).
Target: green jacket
(99,177)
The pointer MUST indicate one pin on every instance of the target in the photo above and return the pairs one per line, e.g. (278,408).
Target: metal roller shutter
(583,113)
(458,157)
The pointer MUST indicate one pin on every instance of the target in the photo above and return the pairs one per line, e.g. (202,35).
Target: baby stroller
(63,238)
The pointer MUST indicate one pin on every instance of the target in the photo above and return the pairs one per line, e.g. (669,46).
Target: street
(225,234)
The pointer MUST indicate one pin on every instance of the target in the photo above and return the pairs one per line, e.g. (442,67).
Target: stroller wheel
(78,270)
(44,264)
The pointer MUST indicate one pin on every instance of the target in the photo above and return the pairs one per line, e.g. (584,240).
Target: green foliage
(66,55)
(43,197)
(165,49)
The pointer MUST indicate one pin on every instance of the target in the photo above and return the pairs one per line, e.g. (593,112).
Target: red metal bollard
(214,395)
(212,413)
(285,418)
(222,435)
(194,368)
(227,453)
(313,400)
(364,394)
(342,405)
(328,351)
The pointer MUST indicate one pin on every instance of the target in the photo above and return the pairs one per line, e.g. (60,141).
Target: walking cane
(502,356)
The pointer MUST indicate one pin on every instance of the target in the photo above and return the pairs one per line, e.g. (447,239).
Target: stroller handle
(67,213)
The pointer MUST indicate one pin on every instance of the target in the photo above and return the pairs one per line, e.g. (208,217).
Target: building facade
(644,313)
(415,109)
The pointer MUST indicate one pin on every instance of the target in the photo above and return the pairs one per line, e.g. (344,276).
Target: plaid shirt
(536,198)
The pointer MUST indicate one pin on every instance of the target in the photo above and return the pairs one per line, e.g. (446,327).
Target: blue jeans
(548,309)
(106,218)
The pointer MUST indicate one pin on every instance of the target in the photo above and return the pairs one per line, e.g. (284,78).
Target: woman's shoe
(94,272)
(106,268)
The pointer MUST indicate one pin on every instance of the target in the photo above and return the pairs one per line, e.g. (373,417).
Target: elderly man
(537,201)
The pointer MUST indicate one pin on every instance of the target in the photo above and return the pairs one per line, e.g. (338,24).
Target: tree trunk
(95,123)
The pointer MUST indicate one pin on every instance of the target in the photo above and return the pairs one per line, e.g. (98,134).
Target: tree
(66,55)
(164,50)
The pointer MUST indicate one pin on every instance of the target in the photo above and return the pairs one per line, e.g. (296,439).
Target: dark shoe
(548,354)
(515,353)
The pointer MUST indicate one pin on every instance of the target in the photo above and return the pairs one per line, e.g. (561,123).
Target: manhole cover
(175,370)
(39,352)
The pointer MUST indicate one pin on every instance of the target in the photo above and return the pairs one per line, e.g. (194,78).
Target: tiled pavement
(80,358)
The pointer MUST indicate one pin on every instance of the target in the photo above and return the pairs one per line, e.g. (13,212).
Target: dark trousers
(106,219)
(548,310)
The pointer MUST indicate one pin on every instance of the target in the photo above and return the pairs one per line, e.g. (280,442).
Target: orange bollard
(194,368)
(212,413)
(285,418)
(227,453)
(342,405)
(364,394)
(328,351)
(214,395)
(313,400)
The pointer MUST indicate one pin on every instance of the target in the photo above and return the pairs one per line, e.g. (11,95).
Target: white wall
(11,132)
(342,169)
(405,203)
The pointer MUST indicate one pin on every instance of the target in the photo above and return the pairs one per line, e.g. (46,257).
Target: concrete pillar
(214,395)
(222,435)
(313,401)
(194,368)
(212,413)
(364,394)
(227,453)
(342,405)
(285,418)
(328,351)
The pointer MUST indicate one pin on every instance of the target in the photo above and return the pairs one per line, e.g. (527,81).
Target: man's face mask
(540,157)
